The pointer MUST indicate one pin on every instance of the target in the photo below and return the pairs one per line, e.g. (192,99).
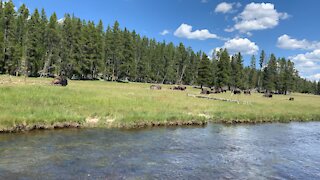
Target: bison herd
(217,90)
(177,88)
(235,91)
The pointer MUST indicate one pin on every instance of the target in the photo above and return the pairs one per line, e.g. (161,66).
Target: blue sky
(287,28)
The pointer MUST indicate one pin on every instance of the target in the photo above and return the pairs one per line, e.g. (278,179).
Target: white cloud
(185,31)
(243,45)
(258,16)
(165,32)
(310,56)
(204,1)
(229,29)
(286,42)
(224,7)
(308,64)
(314,77)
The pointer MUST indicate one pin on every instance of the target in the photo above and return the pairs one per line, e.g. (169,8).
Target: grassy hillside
(97,103)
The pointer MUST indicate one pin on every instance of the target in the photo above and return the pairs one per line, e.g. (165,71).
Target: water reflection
(272,151)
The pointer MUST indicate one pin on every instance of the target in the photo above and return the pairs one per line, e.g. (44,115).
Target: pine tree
(34,45)
(270,72)
(42,28)
(290,75)
(77,65)
(99,39)
(261,63)
(9,62)
(108,57)
(2,62)
(52,45)
(192,68)
(169,64)
(214,70)
(253,73)
(128,57)
(262,59)
(21,35)
(160,64)
(116,51)
(237,75)
(180,62)
(204,71)
(281,76)
(89,61)
(67,64)
(224,69)
(143,66)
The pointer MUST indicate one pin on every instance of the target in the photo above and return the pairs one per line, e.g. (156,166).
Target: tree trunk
(46,64)
(182,74)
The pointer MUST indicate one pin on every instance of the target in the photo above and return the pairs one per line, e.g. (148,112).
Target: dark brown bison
(179,88)
(225,89)
(237,91)
(217,90)
(291,99)
(155,87)
(206,91)
(61,81)
(247,92)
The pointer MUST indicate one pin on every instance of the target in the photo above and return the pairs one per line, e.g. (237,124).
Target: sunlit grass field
(35,101)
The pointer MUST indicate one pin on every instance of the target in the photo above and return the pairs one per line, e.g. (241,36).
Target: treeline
(37,46)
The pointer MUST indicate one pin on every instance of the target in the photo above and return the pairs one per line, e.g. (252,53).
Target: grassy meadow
(110,104)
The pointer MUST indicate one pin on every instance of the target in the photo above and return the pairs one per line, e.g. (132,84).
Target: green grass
(115,104)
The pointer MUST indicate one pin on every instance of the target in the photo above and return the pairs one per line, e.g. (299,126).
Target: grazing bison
(179,88)
(247,92)
(291,99)
(268,95)
(218,90)
(237,91)
(225,89)
(155,87)
(61,81)
(206,91)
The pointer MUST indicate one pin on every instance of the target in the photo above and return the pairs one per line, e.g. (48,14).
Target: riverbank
(35,104)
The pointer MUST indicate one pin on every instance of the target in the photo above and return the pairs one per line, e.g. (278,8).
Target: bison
(237,91)
(225,89)
(218,90)
(268,95)
(155,87)
(247,92)
(179,88)
(61,81)
(206,91)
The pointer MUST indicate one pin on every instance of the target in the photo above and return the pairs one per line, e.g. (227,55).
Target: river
(265,151)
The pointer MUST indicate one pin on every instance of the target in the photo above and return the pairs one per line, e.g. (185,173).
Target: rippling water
(267,151)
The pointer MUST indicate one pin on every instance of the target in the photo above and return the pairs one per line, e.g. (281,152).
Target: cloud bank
(257,16)
(185,31)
